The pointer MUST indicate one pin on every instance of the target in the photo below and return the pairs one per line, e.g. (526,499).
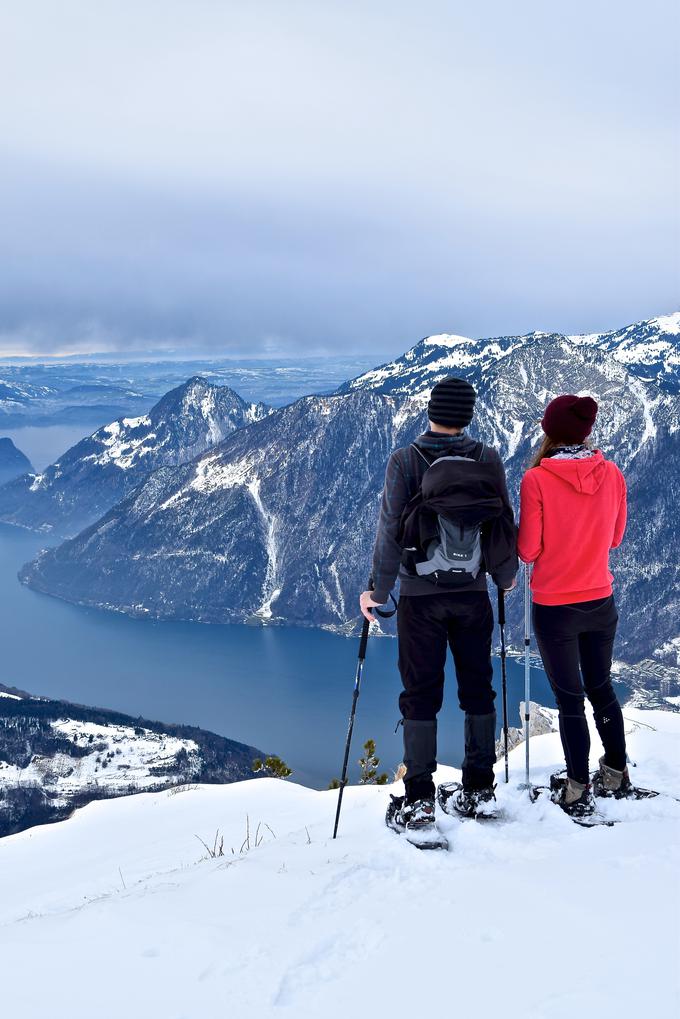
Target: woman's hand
(366,602)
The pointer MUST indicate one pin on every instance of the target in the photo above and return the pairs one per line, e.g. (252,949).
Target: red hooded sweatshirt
(571,513)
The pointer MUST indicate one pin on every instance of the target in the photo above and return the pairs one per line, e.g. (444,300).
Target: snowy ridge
(305,926)
(103,468)
(433,358)
(650,349)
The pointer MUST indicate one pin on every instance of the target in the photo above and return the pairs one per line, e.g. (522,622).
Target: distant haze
(267,178)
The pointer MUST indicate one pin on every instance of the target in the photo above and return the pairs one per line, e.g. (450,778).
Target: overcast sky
(330,175)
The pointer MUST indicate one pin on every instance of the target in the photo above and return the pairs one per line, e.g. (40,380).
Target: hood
(442,445)
(584,476)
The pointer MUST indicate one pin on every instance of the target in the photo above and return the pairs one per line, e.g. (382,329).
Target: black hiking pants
(576,644)
(427,625)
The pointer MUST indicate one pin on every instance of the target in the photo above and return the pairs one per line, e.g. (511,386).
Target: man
(432,612)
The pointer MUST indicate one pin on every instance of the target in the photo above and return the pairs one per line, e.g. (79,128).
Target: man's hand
(513,585)
(366,602)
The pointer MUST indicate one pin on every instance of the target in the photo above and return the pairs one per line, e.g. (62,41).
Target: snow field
(533,917)
(117,756)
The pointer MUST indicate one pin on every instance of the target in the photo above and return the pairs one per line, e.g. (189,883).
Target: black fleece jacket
(405,469)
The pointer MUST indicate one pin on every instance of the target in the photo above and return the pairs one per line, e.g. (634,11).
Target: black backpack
(451,554)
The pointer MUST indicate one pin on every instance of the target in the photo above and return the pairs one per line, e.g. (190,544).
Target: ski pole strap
(501,607)
(386,615)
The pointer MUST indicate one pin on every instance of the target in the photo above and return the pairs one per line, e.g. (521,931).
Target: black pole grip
(364,639)
(501,607)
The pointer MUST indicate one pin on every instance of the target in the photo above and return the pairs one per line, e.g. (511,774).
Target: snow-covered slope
(56,756)
(533,918)
(649,349)
(113,758)
(103,468)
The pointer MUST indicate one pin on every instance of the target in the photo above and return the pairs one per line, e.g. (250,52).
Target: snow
(446,340)
(38,482)
(12,696)
(144,420)
(270,592)
(533,918)
(649,432)
(120,447)
(212,475)
(117,756)
(668,323)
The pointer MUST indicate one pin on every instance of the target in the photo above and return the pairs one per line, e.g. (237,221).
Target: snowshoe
(416,821)
(458,802)
(609,783)
(582,810)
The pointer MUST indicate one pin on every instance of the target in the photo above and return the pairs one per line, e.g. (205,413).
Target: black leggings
(576,644)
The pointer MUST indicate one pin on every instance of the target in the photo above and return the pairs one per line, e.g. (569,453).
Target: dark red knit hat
(569,418)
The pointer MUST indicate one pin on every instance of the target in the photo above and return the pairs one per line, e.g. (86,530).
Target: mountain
(277,523)
(272,917)
(265,526)
(649,350)
(56,756)
(13,462)
(105,467)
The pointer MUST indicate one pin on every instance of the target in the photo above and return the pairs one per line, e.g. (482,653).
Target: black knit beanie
(452,403)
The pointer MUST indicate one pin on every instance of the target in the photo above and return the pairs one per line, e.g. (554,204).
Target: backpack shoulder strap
(421,454)
(477,453)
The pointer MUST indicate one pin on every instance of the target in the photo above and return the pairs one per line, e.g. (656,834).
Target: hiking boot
(610,782)
(403,816)
(419,815)
(457,801)
(416,822)
(575,798)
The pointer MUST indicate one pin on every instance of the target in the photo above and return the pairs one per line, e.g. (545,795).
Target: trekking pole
(527,666)
(355,697)
(501,624)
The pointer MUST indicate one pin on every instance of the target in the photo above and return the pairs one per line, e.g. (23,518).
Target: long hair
(547,447)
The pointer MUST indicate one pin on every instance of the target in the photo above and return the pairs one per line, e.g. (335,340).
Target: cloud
(230,177)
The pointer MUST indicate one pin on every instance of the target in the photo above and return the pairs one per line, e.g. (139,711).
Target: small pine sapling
(369,766)
(272,766)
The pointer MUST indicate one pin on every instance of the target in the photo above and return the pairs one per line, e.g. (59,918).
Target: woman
(572,512)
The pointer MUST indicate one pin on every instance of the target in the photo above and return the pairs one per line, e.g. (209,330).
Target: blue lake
(284,690)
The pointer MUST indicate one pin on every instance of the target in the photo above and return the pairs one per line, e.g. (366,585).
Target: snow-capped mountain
(105,467)
(278,522)
(271,917)
(13,462)
(56,756)
(434,358)
(650,349)
(267,525)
